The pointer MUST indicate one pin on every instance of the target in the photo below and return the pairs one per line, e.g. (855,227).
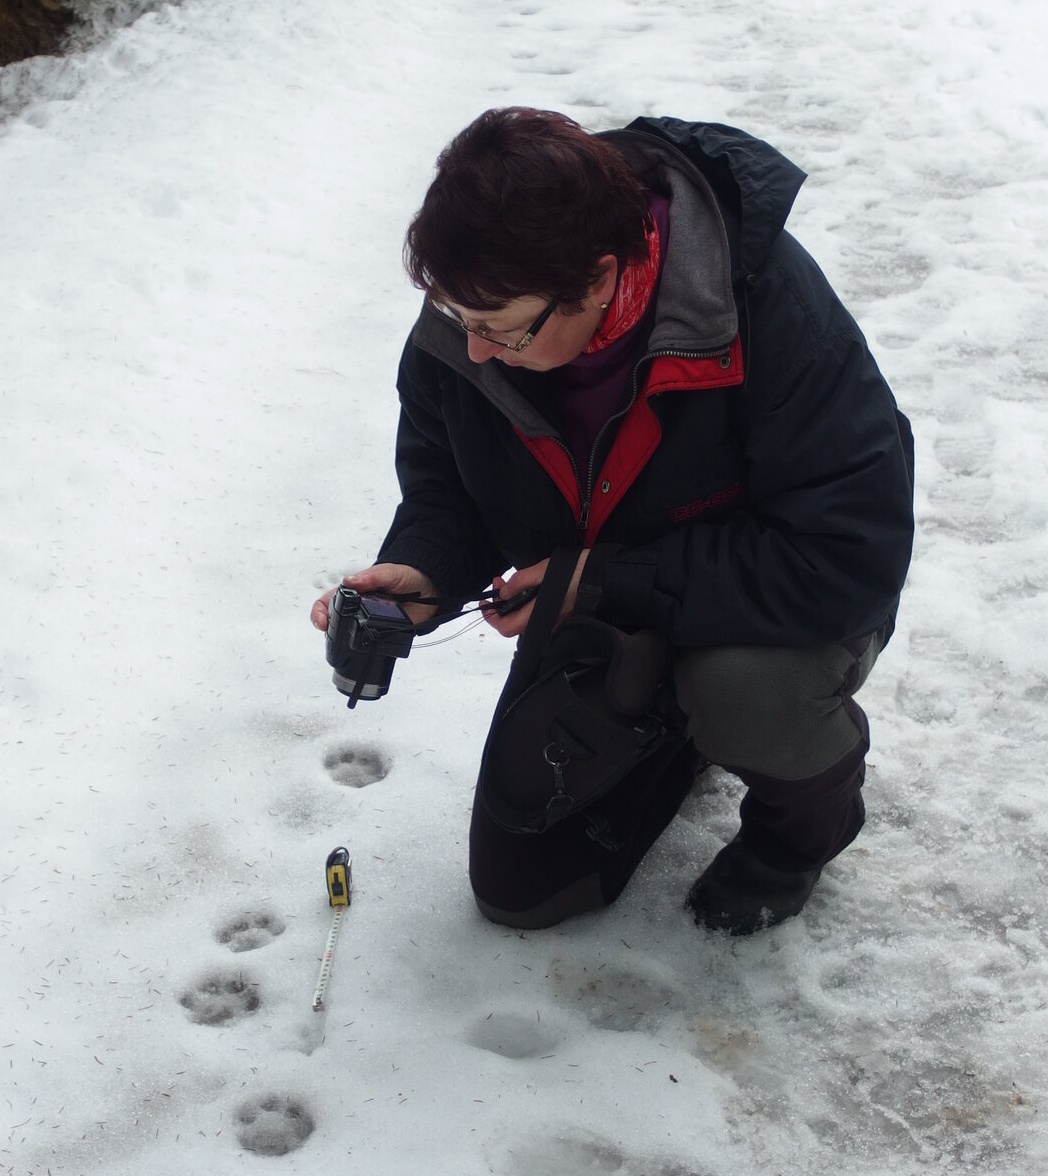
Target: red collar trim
(633,293)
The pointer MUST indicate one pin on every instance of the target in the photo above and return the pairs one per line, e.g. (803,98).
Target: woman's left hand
(514,623)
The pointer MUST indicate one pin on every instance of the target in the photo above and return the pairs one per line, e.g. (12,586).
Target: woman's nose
(480,350)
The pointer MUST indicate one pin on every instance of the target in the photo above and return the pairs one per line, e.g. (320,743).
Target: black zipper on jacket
(586,492)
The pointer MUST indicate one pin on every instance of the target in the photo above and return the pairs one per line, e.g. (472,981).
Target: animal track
(965,454)
(219,999)
(569,1157)
(356,767)
(251,931)
(512,1035)
(584,1154)
(724,1046)
(273,1125)
(616,999)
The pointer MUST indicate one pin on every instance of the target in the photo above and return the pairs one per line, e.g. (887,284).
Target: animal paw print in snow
(250,931)
(273,1125)
(356,767)
(221,999)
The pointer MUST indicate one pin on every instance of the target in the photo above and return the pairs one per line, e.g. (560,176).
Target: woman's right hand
(387,577)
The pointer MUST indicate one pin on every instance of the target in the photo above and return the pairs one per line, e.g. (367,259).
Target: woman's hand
(514,623)
(392,578)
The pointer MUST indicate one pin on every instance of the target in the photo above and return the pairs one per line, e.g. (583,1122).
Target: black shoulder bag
(584,707)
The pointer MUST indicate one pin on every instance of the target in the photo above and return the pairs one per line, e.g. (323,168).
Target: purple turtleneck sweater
(592,388)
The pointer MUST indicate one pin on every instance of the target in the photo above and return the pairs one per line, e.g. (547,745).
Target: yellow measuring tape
(339,877)
(339,874)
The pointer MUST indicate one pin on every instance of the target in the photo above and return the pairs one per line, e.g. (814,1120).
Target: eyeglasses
(489,336)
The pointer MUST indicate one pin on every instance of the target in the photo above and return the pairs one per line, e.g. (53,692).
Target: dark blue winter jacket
(756,486)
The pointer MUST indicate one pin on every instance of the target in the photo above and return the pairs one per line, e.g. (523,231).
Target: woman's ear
(604,288)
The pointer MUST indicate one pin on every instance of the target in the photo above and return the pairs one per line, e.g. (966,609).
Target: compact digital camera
(365,636)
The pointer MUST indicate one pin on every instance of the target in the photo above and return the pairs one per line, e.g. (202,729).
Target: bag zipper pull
(556,756)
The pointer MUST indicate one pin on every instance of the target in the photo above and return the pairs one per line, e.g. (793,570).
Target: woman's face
(559,340)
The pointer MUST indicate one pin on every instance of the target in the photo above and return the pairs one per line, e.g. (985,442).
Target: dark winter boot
(739,894)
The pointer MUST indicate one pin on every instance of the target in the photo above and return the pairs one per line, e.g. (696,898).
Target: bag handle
(531,644)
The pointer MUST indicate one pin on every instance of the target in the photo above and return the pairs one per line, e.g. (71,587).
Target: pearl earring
(604,306)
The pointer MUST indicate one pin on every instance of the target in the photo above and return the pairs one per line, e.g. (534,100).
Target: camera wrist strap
(455,607)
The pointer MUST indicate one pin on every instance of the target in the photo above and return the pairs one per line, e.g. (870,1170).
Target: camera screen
(383,608)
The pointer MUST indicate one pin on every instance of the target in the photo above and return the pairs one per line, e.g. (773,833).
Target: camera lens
(379,676)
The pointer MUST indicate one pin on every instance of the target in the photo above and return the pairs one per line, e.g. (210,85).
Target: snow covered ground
(201,307)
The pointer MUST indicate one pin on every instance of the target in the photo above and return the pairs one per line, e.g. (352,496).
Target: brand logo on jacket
(700,506)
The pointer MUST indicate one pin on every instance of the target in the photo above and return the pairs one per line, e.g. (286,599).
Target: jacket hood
(749,177)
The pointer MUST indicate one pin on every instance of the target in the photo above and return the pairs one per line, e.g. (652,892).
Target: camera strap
(457,609)
(533,641)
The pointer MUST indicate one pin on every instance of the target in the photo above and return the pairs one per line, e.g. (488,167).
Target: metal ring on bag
(553,762)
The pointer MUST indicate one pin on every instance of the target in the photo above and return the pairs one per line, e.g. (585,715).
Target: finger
(512,624)
(363,581)
(530,577)
(318,614)
(382,578)
(501,625)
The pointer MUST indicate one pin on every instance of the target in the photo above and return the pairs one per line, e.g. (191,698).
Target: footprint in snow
(250,931)
(616,998)
(965,452)
(273,1125)
(513,1035)
(356,767)
(584,1154)
(220,999)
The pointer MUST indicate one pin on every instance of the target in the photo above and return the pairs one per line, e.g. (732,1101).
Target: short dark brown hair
(524,202)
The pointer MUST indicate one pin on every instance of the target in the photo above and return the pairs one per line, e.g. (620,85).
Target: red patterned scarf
(632,295)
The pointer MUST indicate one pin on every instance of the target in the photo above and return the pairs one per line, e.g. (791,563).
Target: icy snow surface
(201,308)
